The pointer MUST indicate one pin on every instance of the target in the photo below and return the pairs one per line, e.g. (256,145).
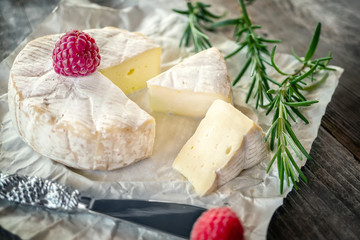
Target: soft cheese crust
(84,122)
(207,67)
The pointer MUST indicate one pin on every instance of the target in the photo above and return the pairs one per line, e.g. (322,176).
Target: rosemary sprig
(287,101)
(246,37)
(199,17)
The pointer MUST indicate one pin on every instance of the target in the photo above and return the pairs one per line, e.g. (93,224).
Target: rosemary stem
(299,70)
(245,14)
(192,29)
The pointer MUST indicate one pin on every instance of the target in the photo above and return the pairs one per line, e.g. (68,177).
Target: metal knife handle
(38,192)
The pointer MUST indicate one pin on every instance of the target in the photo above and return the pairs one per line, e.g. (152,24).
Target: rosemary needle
(199,17)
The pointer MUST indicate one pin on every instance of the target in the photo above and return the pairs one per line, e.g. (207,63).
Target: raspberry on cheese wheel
(84,122)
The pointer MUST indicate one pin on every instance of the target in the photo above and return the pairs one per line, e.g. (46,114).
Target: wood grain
(12,16)
(328,207)
(18,19)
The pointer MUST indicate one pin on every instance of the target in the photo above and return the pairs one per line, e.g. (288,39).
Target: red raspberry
(218,223)
(75,54)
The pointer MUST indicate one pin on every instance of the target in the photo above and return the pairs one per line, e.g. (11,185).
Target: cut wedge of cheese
(225,143)
(190,87)
(84,122)
(133,73)
(128,59)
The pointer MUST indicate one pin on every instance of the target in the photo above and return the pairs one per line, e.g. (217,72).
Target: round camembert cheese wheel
(85,122)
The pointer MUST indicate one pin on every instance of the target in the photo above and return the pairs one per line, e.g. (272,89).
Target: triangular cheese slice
(85,122)
(225,142)
(190,87)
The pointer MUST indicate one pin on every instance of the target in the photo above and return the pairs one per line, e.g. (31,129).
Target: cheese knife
(172,218)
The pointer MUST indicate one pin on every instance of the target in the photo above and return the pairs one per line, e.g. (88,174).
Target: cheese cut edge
(182,102)
(204,74)
(132,74)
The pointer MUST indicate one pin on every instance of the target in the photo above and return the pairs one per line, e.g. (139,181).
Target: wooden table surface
(328,207)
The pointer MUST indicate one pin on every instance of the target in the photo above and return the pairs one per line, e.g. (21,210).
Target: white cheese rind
(225,143)
(203,75)
(85,122)
(118,45)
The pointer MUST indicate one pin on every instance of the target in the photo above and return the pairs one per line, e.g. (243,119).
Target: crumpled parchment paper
(254,195)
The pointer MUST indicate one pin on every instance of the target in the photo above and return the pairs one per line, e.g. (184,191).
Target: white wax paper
(254,195)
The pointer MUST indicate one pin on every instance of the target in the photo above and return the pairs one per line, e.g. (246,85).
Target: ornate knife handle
(38,192)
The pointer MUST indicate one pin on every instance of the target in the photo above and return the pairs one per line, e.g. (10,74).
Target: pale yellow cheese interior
(216,143)
(132,74)
(182,102)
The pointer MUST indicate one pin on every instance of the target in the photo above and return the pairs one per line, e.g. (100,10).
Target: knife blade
(172,218)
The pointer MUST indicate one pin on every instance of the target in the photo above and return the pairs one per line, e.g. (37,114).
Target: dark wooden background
(328,207)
